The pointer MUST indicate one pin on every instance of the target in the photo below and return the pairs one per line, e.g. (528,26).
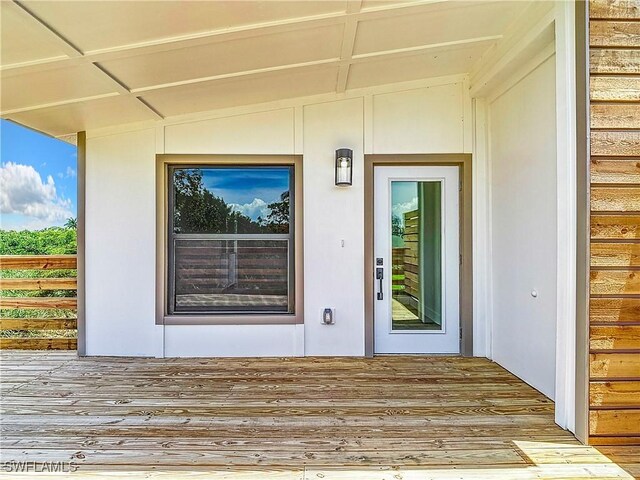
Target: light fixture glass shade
(344,164)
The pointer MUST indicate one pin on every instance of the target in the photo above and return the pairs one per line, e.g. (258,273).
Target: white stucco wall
(120,211)
(120,245)
(334,275)
(522,126)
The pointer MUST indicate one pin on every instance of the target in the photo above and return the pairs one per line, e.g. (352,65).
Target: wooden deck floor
(395,418)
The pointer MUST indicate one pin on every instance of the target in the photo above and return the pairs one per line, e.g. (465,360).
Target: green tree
(197,210)
(48,241)
(71,223)
(397,228)
(277,220)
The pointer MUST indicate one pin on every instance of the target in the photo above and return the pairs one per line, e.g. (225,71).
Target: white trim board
(567,214)
(489,87)
(481,232)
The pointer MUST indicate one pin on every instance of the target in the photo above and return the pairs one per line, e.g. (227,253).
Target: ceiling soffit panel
(99,25)
(436,24)
(22,41)
(89,115)
(253,89)
(414,67)
(53,86)
(222,58)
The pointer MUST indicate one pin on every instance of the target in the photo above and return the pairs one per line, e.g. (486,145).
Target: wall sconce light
(344,170)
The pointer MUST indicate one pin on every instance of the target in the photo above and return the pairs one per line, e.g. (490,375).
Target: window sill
(232,319)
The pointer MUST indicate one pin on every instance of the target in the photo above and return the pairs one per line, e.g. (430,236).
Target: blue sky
(249,190)
(404,197)
(37,179)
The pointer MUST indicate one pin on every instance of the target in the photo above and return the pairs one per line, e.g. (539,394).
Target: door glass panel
(416,260)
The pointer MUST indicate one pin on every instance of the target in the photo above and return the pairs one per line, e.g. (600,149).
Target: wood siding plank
(615,227)
(616,170)
(615,143)
(38,284)
(614,310)
(629,468)
(38,262)
(611,366)
(615,282)
(615,199)
(616,337)
(616,115)
(614,422)
(614,89)
(614,61)
(614,394)
(607,33)
(617,9)
(615,254)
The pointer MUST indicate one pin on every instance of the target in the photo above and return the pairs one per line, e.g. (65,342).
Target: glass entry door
(416,223)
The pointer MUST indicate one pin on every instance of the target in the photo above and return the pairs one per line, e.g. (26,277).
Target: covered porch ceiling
(73,66)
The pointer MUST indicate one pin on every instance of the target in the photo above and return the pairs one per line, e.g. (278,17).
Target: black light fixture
(344,164)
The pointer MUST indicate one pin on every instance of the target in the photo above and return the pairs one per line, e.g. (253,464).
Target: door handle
(379,277)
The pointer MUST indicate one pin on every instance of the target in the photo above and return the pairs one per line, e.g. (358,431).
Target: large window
(231,245)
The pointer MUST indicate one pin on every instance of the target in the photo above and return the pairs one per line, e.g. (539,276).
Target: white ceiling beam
(59,103)
(348,42)
(226,34)
(244,73)
(118,86)
(382,7)
(403,52)
(150,108)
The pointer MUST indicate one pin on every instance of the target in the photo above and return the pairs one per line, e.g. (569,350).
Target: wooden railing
(397,269)
(411,255)
(28,329)
(241,267)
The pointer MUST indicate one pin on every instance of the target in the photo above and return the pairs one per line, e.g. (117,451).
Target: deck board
(386,417)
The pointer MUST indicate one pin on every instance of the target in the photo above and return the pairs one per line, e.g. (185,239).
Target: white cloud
(257,208)
(70,173)
(399,209)
(23,192)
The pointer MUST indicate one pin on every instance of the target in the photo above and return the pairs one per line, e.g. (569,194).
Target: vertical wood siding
(614,334)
